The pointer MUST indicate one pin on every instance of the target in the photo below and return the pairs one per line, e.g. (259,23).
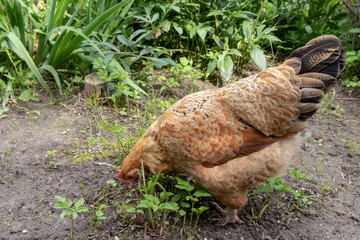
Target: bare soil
(330,155)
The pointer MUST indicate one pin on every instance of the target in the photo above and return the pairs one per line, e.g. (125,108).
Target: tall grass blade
(23,54)
(53,72)
(75,30)
(87,31)
(59,40)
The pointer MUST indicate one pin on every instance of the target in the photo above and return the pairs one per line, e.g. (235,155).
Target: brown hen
(236,137)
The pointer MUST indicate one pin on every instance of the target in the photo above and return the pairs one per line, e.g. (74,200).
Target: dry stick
(356,19)
(354,99)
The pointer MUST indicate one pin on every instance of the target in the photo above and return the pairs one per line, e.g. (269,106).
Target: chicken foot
(230,215)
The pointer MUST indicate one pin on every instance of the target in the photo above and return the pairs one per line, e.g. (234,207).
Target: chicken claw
(230,215)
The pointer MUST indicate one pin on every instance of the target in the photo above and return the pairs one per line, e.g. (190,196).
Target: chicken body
(235,137)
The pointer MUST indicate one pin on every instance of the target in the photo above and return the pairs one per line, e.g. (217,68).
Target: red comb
(119,175)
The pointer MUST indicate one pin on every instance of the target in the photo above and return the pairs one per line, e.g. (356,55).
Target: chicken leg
(230,215)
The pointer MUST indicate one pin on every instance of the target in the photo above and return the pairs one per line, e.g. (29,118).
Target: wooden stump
(95,86)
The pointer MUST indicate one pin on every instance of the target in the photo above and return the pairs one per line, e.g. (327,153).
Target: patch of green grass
(328,106)
(3,159)
(83,157)
(318,164)
(159,198)
(51,159)
(351,145)
(275,185)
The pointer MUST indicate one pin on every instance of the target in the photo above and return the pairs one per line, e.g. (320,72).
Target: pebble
(25,231)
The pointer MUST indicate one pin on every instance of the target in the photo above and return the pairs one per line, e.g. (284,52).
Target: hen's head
(146,153)
(129,178)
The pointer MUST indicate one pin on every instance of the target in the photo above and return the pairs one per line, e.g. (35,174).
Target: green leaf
(243,14)
(182,184)
(202,193)
(71,46)
(64,213)
(308,29)
(211,66)
(27,95)
(185,205)
(258,56)
(202,31)
(193,31)
(165,25)
(355,30)
(247,30)
(270,38)
(182,212)
(82,209)
(175,8)
(79,202)
(176,198)
(60,199)
(23,54)
(268,30)
(122,39)
(170,61)
(200,209)
(165,195)
(142,19)
(259,29)
(145,204)
(74,215)
(184,61)
(219,42)
(214,13)
(234,52)
(225,65)
(262,189)
(53,72)
(178,28)
(2,84)
(155,17)
(152,198)
(60,205)
(169,206)
(99,213)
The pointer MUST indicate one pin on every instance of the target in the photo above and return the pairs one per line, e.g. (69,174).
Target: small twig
(348,7)
(52,232)
(353,99)
(146,237)
(103,163)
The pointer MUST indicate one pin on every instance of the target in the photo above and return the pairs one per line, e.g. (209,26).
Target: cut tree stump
(95,86)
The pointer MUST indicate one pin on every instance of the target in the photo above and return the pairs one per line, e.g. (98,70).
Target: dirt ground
(330,155)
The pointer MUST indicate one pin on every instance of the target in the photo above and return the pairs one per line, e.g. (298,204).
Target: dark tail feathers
(322,60)
(323,54)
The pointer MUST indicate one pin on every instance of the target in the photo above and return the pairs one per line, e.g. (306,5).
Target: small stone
(24,231)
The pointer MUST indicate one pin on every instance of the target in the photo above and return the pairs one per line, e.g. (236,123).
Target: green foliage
(3,159)
(273,185)
(50,154)
(38,40)
(300,22)
(70,209)
(99,214)
(156,202)
(352,69)
(328,106)
(49,37)
(221,35)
